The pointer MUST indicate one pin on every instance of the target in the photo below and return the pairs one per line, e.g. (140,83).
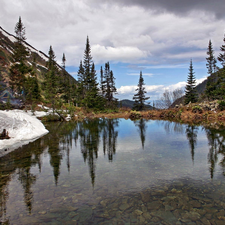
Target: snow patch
(22,128)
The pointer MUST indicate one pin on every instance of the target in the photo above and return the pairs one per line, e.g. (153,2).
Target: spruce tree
(80,88)
(87,64)
(65,82)
(211,66)
(20,31)
(211,60)
(64,61)
(108,86)
(102,81)
(92,98)
(87,79)
(190,91)
(51,80)
(221,56)
(140,98)
(19,70)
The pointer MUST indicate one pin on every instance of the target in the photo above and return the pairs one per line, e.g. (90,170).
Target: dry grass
(183,114)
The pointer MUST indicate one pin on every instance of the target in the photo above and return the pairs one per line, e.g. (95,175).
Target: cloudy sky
(158,38)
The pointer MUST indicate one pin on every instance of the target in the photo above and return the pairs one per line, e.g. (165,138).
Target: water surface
(116,172)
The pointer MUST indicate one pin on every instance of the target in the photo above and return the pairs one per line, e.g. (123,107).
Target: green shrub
(221,105)
(197,109)
(135,115)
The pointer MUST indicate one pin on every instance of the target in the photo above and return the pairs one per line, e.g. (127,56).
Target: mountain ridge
(7,41)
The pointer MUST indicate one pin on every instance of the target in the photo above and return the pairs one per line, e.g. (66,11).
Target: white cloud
(138,74)
(144,37)
(122,54)
(129,34)
(154,91)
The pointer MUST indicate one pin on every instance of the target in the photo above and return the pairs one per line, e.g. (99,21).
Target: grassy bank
(193,114)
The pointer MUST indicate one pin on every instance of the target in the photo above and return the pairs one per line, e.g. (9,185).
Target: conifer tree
(221,56)
(80,89)
(102,81)
(140,98)
(108,86)
(51,82)
(92,98)
(87,78)
(87,64)
(190,91)
(20,72)
(64,61)
(20,31)
(65,82)
(211,60)
(211,66)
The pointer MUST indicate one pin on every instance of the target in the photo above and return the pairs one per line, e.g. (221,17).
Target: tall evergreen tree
(140,98)
(20,31)
(51,80)
(20,71)
(80,89)
(190,91)
(102,81)
(211,66)
(87,64)
(87,78)
(92,99)
(108,86)
(64,61)
(211,60)
(65,82)
(221,56)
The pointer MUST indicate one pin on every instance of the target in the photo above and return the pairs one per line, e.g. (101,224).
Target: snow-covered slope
(22,127)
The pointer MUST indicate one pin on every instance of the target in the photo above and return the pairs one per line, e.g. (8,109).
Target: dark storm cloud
(180,7)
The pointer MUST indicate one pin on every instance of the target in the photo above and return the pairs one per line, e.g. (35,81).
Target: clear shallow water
(116,172)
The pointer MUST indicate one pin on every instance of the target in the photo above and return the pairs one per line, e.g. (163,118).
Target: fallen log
(61,116)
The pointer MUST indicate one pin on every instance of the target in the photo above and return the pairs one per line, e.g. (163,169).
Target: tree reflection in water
(216,142)
(141,124)
(192,133)
(89,133)
(23,159)
(109,137)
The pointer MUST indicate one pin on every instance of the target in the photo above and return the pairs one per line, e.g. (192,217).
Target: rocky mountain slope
(36,58)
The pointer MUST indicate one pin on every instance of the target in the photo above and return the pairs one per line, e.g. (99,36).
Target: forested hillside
(35,59)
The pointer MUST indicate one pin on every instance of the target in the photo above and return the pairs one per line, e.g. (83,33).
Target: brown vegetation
(185,114)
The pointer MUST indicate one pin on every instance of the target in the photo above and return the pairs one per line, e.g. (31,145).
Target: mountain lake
(116,171)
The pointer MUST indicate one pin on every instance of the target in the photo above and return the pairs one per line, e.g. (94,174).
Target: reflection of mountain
(141,124)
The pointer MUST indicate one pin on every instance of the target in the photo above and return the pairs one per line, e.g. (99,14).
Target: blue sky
(158,38)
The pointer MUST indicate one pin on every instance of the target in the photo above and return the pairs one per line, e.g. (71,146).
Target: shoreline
(184,115)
